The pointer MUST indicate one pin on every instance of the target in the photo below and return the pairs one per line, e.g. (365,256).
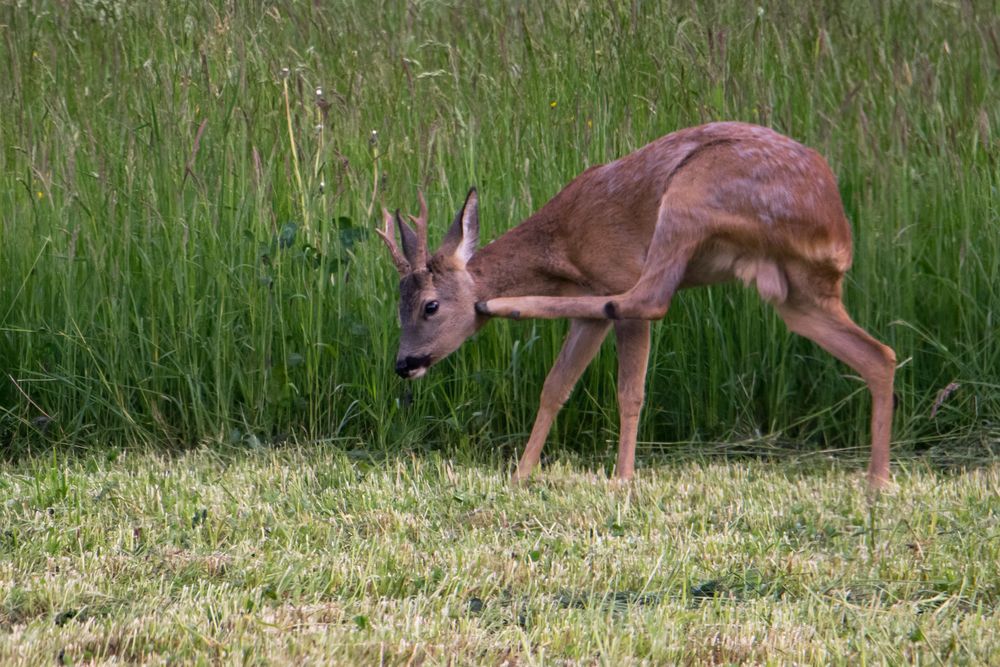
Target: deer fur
(703,205)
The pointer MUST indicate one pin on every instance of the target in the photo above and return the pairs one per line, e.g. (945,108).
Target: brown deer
(699,206)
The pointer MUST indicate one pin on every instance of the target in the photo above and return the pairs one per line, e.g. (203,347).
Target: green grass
(204,452)
(313,555)
(177,270)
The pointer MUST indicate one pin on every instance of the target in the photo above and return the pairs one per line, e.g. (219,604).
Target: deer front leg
(632,337)
(582,343)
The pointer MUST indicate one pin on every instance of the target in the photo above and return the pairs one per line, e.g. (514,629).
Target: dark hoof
(481,308)
(611,311)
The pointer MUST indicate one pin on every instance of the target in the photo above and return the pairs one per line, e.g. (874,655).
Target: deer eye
(431,307)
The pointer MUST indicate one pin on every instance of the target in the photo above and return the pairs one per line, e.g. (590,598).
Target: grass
(205,455)
(186,222)
(315,554)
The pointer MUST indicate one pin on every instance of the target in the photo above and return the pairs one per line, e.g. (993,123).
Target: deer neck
(521,262)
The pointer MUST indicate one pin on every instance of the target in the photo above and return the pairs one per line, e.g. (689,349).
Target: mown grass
(316,555)
(185,220)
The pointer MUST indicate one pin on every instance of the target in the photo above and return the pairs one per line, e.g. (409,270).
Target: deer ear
(463,237)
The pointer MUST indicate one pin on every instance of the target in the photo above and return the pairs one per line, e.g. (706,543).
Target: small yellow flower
(552,104)
(40,194)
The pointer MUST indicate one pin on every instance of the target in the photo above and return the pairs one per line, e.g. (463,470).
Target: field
(205,454)
(311,555)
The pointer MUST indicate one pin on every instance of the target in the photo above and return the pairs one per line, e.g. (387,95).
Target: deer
(720,202)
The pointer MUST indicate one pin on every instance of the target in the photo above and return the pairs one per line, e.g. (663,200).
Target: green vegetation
(176,268)
(205,454)
(309,555)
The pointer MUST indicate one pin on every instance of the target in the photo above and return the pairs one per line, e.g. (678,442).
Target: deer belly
(724,263)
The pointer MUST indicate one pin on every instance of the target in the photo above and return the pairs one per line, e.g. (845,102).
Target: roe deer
(699,206)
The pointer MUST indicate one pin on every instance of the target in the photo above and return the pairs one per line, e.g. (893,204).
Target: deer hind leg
(544,307)
(581,344)
(666,262)
(632,337)
(662,273)
(827,323)
(650,297)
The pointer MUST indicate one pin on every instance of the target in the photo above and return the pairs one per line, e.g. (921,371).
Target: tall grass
(187,191)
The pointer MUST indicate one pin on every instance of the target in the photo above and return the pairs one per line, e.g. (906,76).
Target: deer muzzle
(412,366)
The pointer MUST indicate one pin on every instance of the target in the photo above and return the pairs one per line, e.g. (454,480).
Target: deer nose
(406,365)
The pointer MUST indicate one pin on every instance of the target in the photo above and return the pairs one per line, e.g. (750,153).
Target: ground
(310,553)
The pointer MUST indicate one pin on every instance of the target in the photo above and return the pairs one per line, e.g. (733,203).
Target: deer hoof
(878,482)
(482,308)
(611,310)
(517,480)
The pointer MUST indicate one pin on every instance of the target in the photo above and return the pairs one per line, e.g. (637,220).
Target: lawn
(321,553)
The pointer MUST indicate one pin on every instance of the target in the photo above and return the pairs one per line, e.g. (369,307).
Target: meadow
(204,451)
(310,555)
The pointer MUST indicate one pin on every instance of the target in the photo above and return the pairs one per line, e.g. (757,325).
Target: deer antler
(389,237)
(414,252)
(420,223)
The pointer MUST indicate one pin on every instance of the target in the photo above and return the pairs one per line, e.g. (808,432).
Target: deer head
(436,293)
